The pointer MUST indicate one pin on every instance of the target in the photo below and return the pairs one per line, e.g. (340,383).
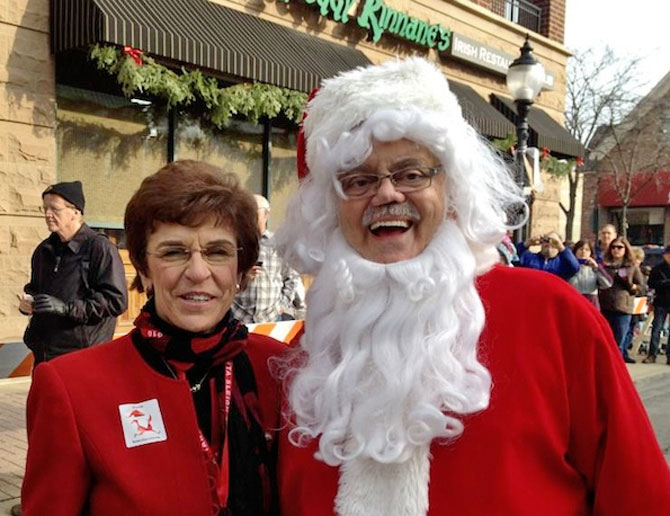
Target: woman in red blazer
(177,417)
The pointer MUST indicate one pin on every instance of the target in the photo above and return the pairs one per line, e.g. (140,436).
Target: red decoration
(303,170)
(546,153)
(134,53)
(579,161)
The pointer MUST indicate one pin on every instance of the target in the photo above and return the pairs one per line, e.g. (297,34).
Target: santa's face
(391,225)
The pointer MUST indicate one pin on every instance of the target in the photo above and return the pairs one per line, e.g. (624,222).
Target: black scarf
(252,477)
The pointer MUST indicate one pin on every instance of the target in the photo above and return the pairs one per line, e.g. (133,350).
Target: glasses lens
(412,179)
(618,247)
(176,255)
(358,185)
(218,255)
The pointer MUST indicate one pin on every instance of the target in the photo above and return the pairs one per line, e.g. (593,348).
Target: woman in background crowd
(591,275)
(617,302)
(637,319)
(177,416)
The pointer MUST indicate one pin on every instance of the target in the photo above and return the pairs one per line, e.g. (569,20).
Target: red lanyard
(224,474)
(222,486)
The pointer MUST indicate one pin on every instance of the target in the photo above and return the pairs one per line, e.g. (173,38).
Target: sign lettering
(378,18)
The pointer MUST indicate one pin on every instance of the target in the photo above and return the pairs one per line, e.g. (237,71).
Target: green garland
(139,73)
(554,166)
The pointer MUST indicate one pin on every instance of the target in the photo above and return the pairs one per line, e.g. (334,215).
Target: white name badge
(142,423)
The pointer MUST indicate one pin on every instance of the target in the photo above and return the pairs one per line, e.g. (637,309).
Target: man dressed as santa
(428,380)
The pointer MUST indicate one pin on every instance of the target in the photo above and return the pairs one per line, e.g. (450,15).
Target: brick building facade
(637,151)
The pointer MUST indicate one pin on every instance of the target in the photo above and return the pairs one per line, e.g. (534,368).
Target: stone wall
(27,147)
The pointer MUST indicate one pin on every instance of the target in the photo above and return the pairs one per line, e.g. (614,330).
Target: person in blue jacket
(553,256)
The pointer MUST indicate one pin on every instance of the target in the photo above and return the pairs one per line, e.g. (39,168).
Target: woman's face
(618,250)
(583,252)
(193,273)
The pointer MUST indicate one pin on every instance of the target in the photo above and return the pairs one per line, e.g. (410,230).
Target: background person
(507,252)
(591,275)
(659,280)
(176,417)
(411,328)
(77,283)
(636,319)
(273,286)
(606,234)
(554,257)
(617,302)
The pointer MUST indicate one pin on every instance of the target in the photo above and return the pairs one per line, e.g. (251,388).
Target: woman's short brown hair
(189,193)
(584,243)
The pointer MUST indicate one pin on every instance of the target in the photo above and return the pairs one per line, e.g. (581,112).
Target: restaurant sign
(377,18)
(492,59)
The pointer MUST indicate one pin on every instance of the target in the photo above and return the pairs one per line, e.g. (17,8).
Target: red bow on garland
(134,53)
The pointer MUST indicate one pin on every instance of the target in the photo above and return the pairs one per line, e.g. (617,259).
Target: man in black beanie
(77,287)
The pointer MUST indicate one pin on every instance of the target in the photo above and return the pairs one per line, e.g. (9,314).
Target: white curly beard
(391,352)
(391,362)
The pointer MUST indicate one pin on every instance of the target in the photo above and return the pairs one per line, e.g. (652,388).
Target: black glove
(46,304)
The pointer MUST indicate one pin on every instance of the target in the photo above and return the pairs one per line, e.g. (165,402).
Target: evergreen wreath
(138,73)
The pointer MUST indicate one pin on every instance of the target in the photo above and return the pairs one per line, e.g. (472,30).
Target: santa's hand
(46,304)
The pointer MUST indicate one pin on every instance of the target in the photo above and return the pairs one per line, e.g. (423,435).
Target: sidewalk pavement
(13,393)
(13,445)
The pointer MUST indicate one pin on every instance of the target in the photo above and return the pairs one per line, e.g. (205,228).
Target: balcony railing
(519,11)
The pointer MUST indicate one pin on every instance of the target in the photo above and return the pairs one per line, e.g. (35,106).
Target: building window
(110,144)
(645,225)
(283,180)
(238,148)
(522,12)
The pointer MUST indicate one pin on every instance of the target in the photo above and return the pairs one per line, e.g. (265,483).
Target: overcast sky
(631,27)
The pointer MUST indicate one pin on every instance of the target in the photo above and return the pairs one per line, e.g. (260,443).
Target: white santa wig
(398,99)
(389,355)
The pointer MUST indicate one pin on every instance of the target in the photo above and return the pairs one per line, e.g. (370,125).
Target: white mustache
(405,210)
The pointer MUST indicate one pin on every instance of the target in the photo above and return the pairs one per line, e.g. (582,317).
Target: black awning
(204,34)
(544,130)
(488,120)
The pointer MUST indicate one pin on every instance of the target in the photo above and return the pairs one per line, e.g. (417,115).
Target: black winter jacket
(58,268)
(659,280)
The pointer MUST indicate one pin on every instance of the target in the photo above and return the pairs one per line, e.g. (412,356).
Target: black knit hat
(71,192)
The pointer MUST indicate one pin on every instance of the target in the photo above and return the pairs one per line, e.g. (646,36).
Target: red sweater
(565,433)
(78,461)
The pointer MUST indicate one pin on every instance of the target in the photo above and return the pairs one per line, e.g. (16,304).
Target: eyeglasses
(52,209)
(411,179)
(180,255)
(618,246)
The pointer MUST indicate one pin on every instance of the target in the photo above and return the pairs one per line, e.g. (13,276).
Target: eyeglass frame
(44,209)
(432,172)
(180,263)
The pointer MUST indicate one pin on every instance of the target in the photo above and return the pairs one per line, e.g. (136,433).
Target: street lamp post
(525,77)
